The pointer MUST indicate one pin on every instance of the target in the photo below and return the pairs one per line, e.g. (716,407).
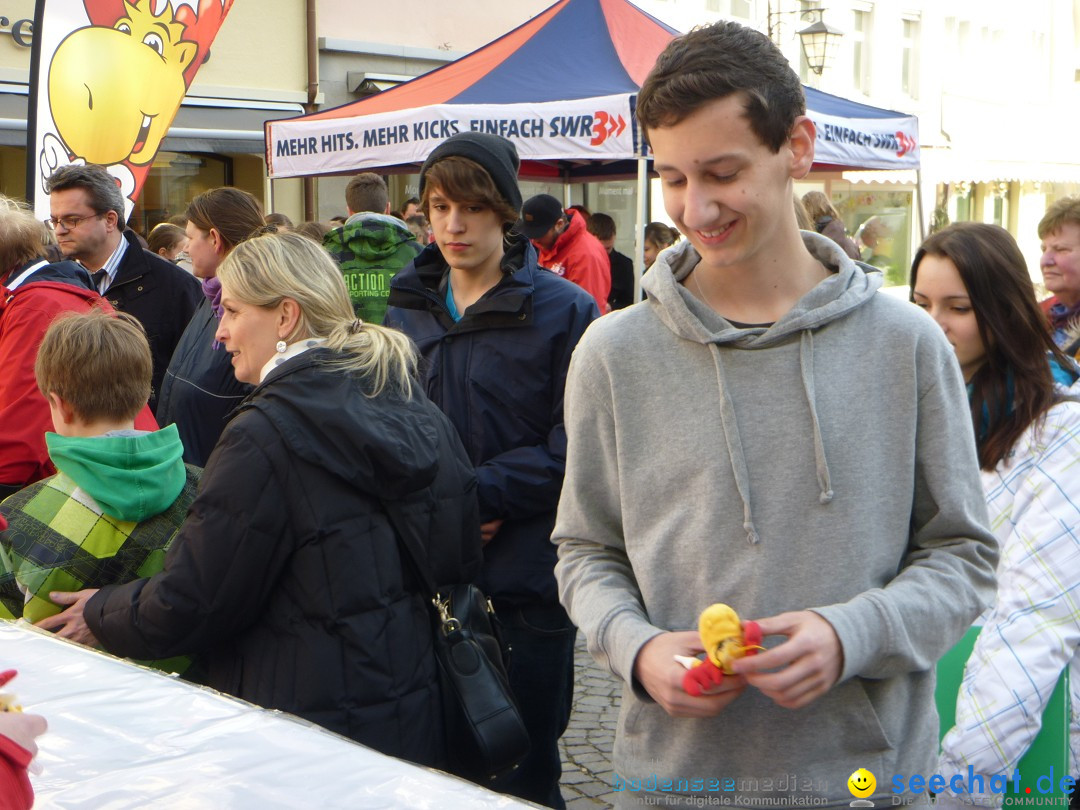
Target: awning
(201,125)
(13,115)
(948,166)
(223,125)
(902,176)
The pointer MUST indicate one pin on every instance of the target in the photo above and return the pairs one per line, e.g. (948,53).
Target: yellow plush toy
(725,639)
(7,700)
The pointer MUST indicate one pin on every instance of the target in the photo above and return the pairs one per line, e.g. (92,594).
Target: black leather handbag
(485,735)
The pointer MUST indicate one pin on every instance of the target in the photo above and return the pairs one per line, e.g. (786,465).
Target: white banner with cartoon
(111,76)
(597,128)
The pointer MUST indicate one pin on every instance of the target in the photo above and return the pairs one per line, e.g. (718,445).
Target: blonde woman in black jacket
(286,578)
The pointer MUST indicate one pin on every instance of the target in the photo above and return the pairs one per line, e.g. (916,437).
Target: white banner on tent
(598,128)
(871,143)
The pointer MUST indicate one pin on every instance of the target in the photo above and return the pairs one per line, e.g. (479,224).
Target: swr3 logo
(605,125)
(907,144)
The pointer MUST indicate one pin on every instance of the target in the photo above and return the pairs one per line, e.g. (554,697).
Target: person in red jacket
(32,293)
(17,748)
(566,248)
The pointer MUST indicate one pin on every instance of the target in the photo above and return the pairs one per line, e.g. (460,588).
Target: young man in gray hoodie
(767,432)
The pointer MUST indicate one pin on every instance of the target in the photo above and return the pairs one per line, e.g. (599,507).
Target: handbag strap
(411,545)
(413,552)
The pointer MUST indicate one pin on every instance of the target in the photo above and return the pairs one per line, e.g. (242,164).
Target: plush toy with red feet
(8,703)
(724,638)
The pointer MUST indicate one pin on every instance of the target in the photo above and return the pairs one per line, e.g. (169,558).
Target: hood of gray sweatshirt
(688,318)
(825,462)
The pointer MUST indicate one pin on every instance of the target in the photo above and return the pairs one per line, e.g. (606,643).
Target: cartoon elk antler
(199,26)
(105,12)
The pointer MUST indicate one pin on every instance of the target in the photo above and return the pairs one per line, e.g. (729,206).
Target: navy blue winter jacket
(499,374)
(200,389)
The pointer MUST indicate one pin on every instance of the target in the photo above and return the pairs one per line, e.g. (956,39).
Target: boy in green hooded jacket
(120,495)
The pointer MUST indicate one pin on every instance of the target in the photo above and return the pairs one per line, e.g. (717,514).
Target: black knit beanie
(496,155)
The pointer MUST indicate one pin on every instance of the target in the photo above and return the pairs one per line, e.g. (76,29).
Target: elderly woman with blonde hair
(33,292)
(287,578)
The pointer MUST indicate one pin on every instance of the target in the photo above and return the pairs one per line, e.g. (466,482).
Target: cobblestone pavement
(586,745)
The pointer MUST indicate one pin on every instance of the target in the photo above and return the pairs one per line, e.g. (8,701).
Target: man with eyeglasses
(88,220)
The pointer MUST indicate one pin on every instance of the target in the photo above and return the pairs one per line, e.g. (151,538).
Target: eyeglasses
(70,223)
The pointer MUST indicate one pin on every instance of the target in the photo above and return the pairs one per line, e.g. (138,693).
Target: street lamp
(819,39)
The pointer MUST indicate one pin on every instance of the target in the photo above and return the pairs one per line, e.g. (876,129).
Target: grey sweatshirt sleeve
(947,576)
(597,585)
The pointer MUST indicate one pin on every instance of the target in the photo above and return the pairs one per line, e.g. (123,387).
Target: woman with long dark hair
(973,281)
(199,389)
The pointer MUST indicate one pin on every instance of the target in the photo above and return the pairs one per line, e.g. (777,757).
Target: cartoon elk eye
(123,28)
(155,42)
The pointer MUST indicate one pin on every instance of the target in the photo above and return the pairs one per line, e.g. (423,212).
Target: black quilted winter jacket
(286,576)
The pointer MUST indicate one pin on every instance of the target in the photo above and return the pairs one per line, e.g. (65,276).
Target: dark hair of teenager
(717,61)
(601,226)
(1012,328)
(367,192)
(464,180)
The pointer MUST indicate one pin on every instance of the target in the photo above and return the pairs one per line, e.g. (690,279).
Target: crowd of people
(234,451)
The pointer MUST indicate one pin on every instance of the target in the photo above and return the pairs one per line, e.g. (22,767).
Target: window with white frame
(860,44)
(733,8)
(909,70)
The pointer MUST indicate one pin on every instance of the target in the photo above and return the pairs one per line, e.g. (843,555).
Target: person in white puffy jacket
(972,279)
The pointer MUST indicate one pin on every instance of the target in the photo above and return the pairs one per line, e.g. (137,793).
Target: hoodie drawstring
(734,440)
(734,445)
(806,363)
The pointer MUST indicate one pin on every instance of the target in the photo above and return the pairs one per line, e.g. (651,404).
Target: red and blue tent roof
(562,86)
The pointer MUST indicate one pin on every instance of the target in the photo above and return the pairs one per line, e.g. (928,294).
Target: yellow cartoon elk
(130,76)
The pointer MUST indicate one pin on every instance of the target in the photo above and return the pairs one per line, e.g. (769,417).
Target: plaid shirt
(58,539)
(1033,631)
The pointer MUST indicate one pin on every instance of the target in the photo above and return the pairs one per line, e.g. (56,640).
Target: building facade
(217,136)
(995,93)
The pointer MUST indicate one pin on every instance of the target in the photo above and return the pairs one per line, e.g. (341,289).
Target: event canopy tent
(562,87)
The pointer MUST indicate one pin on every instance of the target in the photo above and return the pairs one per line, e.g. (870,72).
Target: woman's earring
(281,346)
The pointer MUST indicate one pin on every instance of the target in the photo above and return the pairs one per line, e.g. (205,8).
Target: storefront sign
(22,31)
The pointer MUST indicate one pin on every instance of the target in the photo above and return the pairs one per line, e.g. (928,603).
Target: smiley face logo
(861,783)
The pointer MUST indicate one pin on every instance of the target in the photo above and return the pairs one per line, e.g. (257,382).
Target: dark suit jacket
(162,296)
